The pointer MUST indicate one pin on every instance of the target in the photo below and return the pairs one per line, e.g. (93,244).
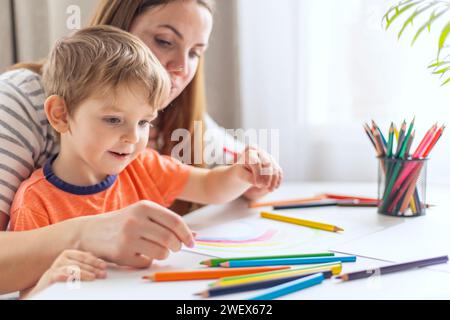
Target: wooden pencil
(215,262)
(392,268)
(256,285)
(335,269)
(285,202)
(301,222)
(207,273)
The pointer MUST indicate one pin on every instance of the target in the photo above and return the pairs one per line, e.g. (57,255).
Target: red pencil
(428,136)
(435,139)
(233,153)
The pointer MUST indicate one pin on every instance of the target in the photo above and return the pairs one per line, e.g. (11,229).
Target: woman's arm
(25,142)
(126,237)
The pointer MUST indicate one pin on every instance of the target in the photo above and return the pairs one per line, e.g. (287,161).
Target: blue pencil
(290,287)
(280,262)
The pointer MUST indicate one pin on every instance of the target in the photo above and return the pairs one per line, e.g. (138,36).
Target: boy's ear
(57,113)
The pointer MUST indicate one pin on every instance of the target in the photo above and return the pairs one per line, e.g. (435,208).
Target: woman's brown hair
(189,107)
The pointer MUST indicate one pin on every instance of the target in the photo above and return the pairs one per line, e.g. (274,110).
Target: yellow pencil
(335,269)
(301,222)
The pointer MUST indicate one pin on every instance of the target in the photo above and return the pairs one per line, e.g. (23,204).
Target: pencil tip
(337,229)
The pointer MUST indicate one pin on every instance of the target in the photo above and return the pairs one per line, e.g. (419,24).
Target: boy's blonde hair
(96,59)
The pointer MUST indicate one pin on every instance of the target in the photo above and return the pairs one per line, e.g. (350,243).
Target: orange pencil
(209,273)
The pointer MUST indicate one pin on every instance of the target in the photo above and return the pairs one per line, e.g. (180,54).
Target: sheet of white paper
(127,284)
(414,239)
(234,230)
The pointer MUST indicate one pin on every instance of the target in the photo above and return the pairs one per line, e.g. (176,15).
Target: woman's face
(178,34)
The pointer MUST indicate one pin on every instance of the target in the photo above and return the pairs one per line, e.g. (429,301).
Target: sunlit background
(314,69)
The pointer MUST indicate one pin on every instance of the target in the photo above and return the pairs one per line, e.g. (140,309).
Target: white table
(426,283)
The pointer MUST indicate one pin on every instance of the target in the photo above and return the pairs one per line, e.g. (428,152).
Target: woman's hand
(263,172)
(135,235)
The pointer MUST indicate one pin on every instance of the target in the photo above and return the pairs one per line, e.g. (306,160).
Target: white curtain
(317,69)
(40,22)
(6,52)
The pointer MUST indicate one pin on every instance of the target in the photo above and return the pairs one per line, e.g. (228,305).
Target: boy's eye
(112,120)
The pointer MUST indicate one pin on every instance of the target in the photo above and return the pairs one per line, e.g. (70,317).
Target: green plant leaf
(433,18)
(438,64)
(441,71)
(443,37)
(445,82)
(405,6)
(416,13)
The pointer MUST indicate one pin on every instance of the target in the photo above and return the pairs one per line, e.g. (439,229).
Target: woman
(177,31)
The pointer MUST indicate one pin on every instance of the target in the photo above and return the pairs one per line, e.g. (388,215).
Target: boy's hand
(261,170)
(70,265)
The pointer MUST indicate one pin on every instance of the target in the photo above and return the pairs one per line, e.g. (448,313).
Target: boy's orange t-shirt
(44,199)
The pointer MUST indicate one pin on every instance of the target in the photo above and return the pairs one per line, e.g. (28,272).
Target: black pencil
(325,203)
(219,291)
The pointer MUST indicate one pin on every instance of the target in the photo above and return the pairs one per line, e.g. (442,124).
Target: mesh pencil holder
(402,187)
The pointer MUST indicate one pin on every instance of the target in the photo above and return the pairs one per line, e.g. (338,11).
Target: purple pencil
(392,268)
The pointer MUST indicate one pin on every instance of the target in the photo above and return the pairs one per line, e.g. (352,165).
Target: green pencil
(397,167)
(391,140)
(216,262)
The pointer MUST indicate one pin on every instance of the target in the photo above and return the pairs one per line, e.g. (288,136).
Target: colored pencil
(357,203)
(283,262)
(330,203)
(369,134)
(215,262)
(335,269)
(392,268)
(256,285)
(301,222)
(400,138)
(285,202)
(425,141)
(376,127)
(323,203)
(233,153)
(379,143)
(401,177)
(391,178)
(206,273)
(436,137)
(346,197)
(290,287)
(391,140)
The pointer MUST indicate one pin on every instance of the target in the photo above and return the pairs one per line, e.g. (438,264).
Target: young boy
(104,88)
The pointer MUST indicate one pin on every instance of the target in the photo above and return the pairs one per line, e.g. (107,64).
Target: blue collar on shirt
(70,188)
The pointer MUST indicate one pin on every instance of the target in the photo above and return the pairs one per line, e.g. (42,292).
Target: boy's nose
(131,136)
